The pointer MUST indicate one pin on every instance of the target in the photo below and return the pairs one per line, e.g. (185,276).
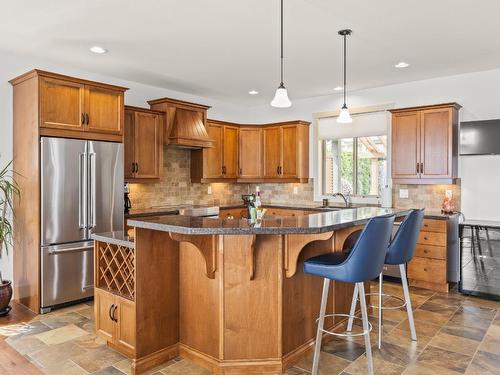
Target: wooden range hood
(185,123)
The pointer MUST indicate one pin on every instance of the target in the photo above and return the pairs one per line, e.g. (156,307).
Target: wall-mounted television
(480,137)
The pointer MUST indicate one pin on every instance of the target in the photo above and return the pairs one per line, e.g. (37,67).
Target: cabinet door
(212,157)
(436,143)
(289,161)
(104,108)
(103,304)
(147,145)
(405,144)
(61,104)
(272,151)
(128,145)
(125,325)
(250,152)
(230,152)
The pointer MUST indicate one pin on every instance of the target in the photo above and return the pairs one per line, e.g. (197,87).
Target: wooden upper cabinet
(143,143)
(103,110)
(436,147)
(212,157)
(250,152)
(76,108)
(290,149)
(405,144)
(61,104)
(230,152)
(272,151)
(425,144)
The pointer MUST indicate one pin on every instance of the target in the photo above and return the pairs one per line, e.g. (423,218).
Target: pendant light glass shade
(344,116)
(281,99)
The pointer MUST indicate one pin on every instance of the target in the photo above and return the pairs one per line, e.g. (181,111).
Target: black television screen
(480,137)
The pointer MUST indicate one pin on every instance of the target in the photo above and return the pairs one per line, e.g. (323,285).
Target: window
(356,166)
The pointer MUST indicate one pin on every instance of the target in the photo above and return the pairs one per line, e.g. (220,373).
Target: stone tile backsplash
(175,187)
(429,197)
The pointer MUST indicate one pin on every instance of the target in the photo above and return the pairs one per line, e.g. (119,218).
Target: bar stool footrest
(387,307)
(346,333)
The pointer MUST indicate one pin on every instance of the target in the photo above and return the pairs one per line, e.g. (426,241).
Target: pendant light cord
(345,64)
(281,84)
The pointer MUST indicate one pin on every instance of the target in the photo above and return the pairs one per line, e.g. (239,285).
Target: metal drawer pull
(91,286)
(70,249)
(110,313)
(113,313)
(425,238)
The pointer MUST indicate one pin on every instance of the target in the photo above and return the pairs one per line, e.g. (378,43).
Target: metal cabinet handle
(278,169)
(425,238)
(114,312)
(426,251)
(240,171)
(421,167)
(418,167)
(87,118)
(136,167)
(110,313)
(83,118)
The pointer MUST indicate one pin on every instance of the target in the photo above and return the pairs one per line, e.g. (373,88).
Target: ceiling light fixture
(98,49)
(402,64)
(253,92)
(338,88)
(281,99)
(344,115)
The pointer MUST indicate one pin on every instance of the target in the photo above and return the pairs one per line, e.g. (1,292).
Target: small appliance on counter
(126,199)
(248,201)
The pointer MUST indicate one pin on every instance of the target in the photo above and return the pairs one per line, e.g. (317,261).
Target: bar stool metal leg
(364,315)
(409,309)
(353,308)
(321,322)
(380,321)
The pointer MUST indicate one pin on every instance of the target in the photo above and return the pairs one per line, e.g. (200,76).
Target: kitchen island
(229,295)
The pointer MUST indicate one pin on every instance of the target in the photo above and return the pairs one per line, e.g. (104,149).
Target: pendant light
(280,99)
(344,115)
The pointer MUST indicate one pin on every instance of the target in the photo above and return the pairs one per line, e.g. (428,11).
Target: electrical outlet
(403,193)
(209,190)
(449,194)
(295,190)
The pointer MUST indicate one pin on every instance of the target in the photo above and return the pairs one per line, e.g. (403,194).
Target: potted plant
(8,190)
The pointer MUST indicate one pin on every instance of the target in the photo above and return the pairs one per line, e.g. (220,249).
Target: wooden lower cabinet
(115,321)
(242,213)
(428,268)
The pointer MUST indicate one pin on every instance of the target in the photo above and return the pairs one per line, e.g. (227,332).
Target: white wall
(478,93)
(11,66)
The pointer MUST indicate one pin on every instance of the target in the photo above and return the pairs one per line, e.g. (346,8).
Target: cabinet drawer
(432,238)
(432,225)
(430,251)
(426,269)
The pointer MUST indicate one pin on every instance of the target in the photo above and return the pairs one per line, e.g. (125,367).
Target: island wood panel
(250,152)
(252,306)
(61,104)
(157,291)
(26,150)
(436,145)
(199,302)
(301,300)
(405,144)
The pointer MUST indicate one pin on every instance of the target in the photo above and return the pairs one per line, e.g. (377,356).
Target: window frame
(354,167)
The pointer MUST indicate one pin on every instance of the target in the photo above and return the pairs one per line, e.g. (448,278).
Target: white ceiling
(224,48)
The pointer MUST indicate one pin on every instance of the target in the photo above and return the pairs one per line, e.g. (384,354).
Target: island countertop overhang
(305,224)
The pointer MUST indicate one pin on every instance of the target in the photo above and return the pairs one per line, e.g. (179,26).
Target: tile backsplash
(175,187)
(429,197)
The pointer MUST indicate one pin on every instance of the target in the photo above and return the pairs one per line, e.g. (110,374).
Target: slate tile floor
(456,335)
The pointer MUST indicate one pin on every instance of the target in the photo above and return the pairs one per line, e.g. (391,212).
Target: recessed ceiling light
(253,92)
(338,88)
(98,49)
(402,64)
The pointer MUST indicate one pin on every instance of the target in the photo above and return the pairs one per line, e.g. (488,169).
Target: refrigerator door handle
(82,192)
(92,192)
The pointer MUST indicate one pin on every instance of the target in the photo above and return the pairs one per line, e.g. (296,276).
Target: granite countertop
(314,206)
(438,215)
(115,238)
(313,223)
(153,211)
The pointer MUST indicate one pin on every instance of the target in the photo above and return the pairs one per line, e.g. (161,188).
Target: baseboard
(431,286)
(143,364)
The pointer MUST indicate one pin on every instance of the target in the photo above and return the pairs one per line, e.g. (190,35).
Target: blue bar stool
(400,252)
(363,263)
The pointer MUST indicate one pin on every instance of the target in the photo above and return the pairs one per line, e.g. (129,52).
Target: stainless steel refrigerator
(81,193)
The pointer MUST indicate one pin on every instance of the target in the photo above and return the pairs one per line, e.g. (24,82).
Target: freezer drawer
(67,273)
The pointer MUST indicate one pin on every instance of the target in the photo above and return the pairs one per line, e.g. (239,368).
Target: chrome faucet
(346,198)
